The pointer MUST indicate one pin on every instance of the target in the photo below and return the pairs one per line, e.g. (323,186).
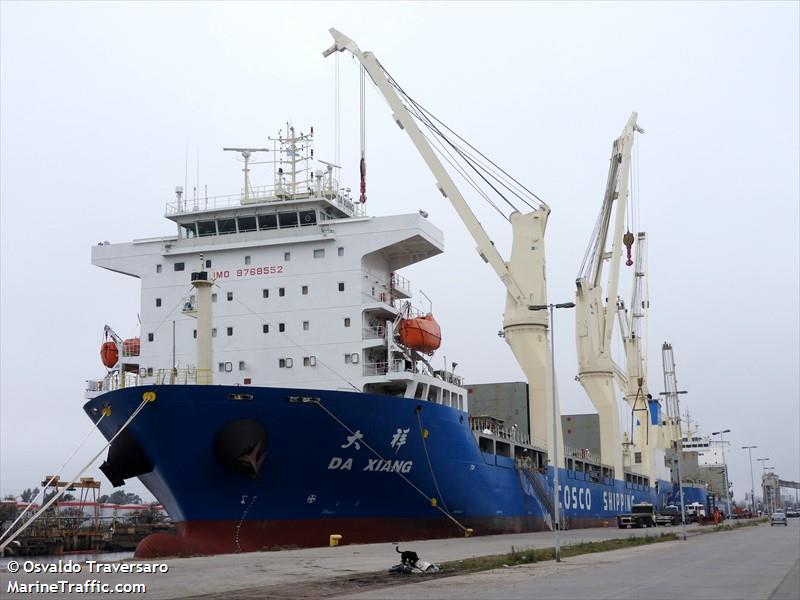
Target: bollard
(335,539)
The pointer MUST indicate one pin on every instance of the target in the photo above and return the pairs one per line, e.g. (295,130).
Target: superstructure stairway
(543,493)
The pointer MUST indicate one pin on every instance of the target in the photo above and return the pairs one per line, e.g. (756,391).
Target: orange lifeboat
(421,333)
(109,354)
(130,347)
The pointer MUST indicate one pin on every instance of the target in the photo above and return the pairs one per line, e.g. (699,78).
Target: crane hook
(627,239)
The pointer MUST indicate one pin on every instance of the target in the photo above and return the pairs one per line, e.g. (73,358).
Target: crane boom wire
(470,161)
(437,145)
(396,85)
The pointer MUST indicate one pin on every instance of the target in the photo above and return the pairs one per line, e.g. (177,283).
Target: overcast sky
(98,102)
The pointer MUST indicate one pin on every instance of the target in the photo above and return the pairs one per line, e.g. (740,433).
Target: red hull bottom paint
(226,537)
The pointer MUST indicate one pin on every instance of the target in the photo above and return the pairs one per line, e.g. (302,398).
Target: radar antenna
(246,153)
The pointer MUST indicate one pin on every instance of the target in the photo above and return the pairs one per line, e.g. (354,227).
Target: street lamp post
(679,450)
(763,462)
(752,481)
(556,507)
(724,471)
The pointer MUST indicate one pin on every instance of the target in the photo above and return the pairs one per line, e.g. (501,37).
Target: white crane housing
(595,321)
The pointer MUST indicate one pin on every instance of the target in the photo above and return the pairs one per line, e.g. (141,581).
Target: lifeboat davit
(109,354)
(421,333)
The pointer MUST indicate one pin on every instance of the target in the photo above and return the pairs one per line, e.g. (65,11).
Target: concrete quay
(271,574)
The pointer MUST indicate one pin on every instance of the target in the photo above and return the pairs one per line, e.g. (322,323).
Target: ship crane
(595,315)
(523,275)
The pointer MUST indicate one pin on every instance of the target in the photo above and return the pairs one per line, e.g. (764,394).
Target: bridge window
(179,266)
(188,231)
(308,217)
(247,224)
(266,222)
(226,226)
(287,219)
(486,445)
(206,228)
(319,253)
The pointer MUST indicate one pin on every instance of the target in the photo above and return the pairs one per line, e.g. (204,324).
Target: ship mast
(523,275)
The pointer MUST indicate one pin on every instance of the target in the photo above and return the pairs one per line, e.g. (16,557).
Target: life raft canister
(109,354)
(421,333)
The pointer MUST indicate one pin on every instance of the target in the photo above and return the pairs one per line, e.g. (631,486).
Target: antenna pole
(246,154)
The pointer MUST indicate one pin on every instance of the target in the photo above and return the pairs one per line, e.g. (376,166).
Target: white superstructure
(306,291)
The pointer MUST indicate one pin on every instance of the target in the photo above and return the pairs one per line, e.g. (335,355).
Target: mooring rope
(432,501)
(147,398)
(424,435)
(57,475)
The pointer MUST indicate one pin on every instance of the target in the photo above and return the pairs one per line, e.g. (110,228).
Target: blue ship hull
(251,468)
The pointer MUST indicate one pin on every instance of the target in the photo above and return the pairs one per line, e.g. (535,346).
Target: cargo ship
(281,390)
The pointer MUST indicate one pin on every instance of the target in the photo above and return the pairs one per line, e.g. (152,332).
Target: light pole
(752,481)
(679,449)
(724,471)
(556,416)
(763,489)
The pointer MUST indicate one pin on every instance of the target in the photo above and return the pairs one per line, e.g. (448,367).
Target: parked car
(793,513)
(779,518)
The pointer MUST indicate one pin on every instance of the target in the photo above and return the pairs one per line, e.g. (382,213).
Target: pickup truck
(641,515)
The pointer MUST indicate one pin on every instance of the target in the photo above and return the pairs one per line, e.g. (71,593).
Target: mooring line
(52,479)
(422,433)
(147,398)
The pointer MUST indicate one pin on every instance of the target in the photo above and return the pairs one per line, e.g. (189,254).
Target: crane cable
(362,198)
(427,118)
(146,397)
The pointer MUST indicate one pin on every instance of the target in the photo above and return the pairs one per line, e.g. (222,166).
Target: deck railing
(581,453)
(497,429)
(376,332)
(265,195)
(144,377)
